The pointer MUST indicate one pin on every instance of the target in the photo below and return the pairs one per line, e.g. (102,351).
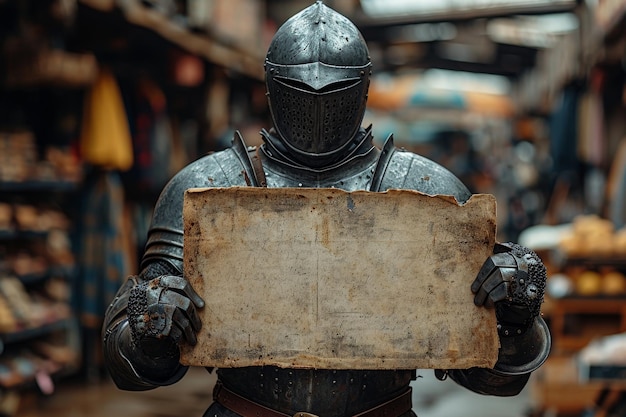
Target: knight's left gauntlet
(513,281)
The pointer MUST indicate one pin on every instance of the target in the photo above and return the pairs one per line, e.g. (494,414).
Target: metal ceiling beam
(365,22)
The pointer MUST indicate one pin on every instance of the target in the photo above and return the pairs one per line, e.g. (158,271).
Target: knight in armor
(317,75)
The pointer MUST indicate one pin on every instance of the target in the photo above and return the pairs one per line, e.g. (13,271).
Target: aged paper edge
(197,356)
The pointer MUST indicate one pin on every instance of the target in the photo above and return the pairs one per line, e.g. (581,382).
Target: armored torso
(366,168)
(326,392)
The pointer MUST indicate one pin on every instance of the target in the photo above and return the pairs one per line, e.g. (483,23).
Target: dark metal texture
(317,74)
(331,393)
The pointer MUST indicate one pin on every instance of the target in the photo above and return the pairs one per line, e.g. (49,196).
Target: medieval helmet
(317,75)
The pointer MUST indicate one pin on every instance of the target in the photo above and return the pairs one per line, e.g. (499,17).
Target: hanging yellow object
(105,139)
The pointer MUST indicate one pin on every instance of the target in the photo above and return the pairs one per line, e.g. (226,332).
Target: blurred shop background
(102,101)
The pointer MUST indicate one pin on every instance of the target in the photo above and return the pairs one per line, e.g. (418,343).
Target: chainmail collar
(275,150)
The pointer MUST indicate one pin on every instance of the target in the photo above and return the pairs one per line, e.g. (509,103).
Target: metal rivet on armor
(519,331)
(352,380)
(506,332)
(334,382)
(299,184)
(261,385)
(363,387)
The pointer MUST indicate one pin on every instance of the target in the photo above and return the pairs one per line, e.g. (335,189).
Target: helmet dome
(317,76)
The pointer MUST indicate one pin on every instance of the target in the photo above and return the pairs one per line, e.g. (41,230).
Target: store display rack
(562,386)
(39,334)
(579,317)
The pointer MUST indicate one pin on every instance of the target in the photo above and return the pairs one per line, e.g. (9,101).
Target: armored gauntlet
(161,312)
(513,281)
(143,327)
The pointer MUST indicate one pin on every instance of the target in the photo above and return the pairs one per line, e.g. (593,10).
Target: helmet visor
(315,110)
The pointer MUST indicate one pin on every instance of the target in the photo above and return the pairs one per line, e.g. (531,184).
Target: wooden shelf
(585,308)
(39,185)
(49,67)
(232,57)
(556,388)
(34,332)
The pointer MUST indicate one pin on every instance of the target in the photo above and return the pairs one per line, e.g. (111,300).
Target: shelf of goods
(587,289)
(585,302)
(39,334)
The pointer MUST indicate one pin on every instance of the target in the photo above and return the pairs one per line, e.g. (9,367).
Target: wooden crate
(556,388)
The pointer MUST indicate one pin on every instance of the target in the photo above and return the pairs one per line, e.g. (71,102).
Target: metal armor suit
(317,75)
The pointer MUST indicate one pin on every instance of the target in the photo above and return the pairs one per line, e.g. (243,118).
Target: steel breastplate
(367,168)
(328,393)
(356,175)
